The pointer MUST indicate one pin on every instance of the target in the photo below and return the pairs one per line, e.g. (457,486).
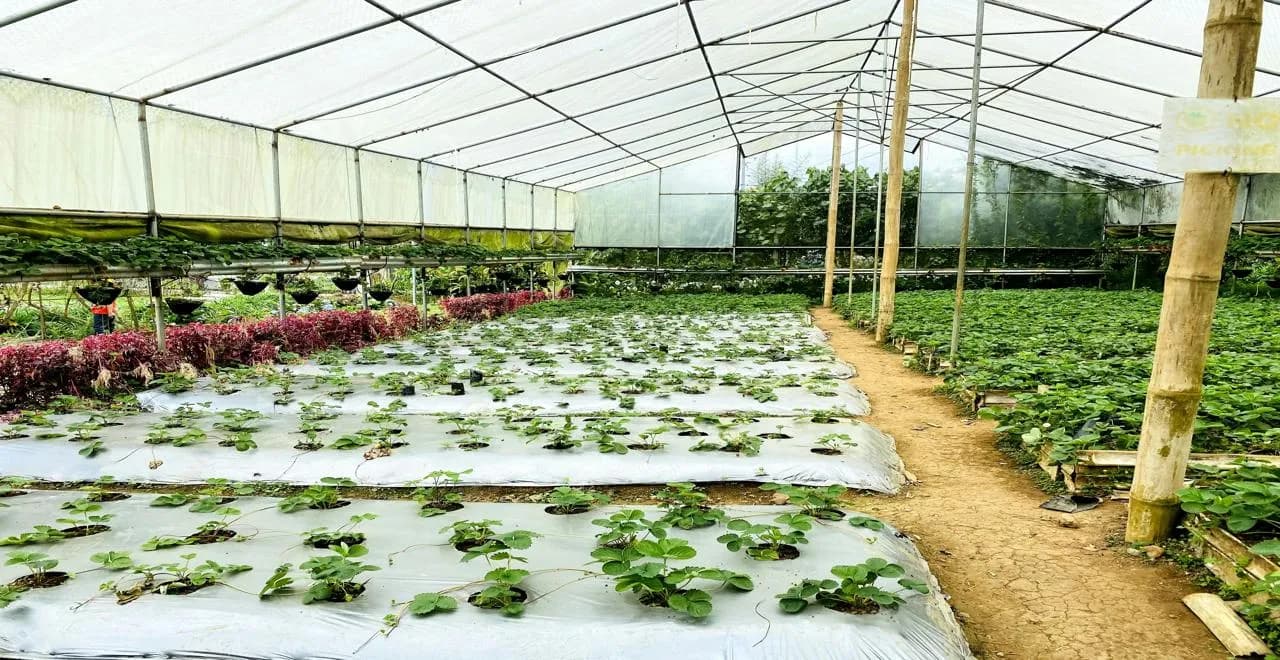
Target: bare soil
(1022,584)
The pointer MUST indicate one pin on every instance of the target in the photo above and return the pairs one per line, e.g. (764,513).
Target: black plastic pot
(1241,273)
(456,388)
(304,297)
(380,295)
(1274,282)
(183,306)
(346,283)
(438,292)
(250,287)
(99,295)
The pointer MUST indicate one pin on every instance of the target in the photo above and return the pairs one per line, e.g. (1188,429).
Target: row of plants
(637,554)
(23,255)
(385,428)
(1244,501)
(34,373)
(1080,361)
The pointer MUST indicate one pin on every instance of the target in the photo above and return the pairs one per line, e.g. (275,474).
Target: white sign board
(1218,135)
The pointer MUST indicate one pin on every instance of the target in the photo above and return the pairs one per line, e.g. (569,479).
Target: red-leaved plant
(32,374)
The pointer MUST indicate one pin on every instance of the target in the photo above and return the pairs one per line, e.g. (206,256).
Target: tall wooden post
(970,166)
(1230,55)
(833,206)
(893,196)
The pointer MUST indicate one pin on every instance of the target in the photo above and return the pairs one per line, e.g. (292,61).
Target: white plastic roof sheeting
(576,93)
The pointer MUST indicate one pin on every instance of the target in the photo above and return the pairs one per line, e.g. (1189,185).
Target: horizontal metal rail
(582,269)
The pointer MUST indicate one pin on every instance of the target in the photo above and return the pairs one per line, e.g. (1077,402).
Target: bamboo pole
(970,166)
(857,161)
(1231,34)
(893,196)
(833,207)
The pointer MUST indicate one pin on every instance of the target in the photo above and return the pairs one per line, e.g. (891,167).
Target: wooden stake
(833,206)
(893,196)
(1231,34)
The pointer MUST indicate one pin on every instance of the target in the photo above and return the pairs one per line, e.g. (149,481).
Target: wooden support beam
(1231,34)
(893,196)
(833,207)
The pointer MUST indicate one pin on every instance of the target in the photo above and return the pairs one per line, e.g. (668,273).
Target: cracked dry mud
(1024,586)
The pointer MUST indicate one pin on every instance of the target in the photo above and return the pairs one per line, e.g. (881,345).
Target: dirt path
(1024,586)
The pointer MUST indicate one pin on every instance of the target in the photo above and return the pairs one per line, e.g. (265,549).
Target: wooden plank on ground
(1223,622)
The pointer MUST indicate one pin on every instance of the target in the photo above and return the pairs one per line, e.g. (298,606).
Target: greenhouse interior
(639,329)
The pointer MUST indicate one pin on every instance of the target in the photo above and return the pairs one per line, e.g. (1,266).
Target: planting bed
(1081,360)
(571,608)
(652,451)
(701,395)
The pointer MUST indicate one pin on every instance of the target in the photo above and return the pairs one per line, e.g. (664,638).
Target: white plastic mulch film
(571,611)
(574,94)
(629,400)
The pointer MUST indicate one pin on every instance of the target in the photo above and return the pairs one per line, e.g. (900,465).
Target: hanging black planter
(183,306)
(250,287)
(379,295)
(1241,273)
(303,297)
(1274,282)
(99,295)
(346,283)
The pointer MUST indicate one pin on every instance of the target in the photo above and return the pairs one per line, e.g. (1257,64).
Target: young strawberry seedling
(855,591)
(768,542)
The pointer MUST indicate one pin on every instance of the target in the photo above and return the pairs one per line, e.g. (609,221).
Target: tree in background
(785,210)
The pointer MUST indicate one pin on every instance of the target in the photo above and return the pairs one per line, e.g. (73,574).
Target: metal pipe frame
(56,273)
(727,41)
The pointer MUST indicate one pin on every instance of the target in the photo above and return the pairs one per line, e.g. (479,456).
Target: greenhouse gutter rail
(582,269)
(57,273)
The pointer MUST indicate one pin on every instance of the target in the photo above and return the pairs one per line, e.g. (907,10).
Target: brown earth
(1023,585)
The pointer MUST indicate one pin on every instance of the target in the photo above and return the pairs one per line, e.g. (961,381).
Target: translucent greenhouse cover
(560,94)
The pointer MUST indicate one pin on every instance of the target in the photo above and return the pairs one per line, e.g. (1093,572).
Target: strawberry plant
(467,534)
(644,568)
(502,591)
(333,576)
(345,534)
(39,573)
(40,535)
(441,494)
(172,579)
(1245,500)
(768,542)
(84,519)
(833,444)
(854,591)
(817,501)
(322,496)
(568,500)
(687,506)
(627,527)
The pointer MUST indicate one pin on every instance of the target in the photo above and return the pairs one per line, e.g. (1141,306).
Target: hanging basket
(99,295)
(183,306)
(1241,273)
(346,283)
(380,295)
(304,297)
(250,287)
(1274,282)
